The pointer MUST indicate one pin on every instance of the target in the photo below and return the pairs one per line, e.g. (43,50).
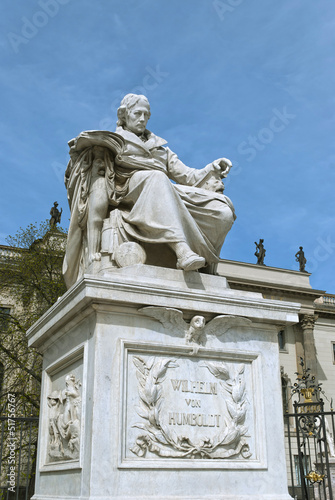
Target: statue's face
(137,118)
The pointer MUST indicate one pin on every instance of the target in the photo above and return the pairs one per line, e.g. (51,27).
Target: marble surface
(127,175)
(180,392)
(148,285)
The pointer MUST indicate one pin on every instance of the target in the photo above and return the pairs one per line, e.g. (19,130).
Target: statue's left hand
(222,166)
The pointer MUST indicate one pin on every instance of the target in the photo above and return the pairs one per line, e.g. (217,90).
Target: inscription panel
(197,411)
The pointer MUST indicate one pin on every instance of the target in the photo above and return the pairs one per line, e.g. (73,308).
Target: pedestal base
(146,402)
(259,496)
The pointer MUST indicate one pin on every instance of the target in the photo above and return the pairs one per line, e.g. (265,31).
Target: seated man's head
(134,113)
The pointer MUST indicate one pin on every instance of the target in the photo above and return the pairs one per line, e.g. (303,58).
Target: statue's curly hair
(128,102)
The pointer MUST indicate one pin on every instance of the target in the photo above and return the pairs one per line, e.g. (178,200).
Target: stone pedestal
(145,404)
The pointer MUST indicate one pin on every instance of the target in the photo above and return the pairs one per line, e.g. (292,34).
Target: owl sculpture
(197,330)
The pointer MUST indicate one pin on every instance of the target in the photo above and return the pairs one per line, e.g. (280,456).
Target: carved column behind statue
(307,326)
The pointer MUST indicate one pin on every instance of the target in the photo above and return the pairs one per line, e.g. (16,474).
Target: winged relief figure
(197,331)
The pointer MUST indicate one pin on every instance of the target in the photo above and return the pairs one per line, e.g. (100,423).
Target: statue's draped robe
(154,210)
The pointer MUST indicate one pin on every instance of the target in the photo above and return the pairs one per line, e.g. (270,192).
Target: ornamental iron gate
(309,435)
(309,440)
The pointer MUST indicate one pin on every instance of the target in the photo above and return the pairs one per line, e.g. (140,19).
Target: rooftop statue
(300,257)
(55,215)
(120,193)
(260,252)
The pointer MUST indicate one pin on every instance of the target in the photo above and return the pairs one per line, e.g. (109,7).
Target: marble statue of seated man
(192,216)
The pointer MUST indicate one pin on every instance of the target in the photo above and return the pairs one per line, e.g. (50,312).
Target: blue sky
(249,80)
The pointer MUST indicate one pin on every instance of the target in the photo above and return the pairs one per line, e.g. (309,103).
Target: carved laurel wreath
(163,441)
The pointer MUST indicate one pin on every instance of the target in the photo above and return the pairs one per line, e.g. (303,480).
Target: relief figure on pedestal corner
(64,421)
(55,440)
(127,176)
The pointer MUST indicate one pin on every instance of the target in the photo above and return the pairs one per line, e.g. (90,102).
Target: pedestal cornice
(147,285)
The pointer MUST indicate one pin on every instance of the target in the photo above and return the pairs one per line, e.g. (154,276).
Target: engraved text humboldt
(196,387)
(194,419)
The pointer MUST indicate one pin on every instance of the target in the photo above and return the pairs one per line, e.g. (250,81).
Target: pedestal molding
(120,289)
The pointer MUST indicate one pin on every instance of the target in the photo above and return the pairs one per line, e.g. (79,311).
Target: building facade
(313,338)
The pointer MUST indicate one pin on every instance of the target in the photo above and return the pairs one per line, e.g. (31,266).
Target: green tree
(31,281)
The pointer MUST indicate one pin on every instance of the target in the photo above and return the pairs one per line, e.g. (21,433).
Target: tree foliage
(31,281)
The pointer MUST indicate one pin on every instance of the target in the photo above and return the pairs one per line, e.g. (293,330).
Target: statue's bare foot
(94,256)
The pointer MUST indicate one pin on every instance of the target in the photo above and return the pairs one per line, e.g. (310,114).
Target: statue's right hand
(223,166)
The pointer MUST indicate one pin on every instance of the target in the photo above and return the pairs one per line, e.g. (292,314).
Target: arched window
(285,387)
(2,372)
(281,340)
(4,318)
(284,393)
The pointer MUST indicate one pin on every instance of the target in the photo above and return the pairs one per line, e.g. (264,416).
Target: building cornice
(273,288)
(268,279)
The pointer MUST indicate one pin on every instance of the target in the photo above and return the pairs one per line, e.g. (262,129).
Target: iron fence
(309,439)
(18,449)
